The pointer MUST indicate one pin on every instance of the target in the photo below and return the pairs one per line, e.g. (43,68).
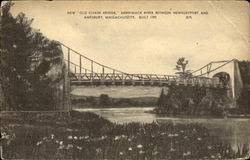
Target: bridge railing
(152,79)
(119,76)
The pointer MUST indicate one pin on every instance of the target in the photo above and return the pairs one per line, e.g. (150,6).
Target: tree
(15,50)
(161,99)
(91,100)
(243,101)
(23,86)
(104,100)
(181,67)
(245,72)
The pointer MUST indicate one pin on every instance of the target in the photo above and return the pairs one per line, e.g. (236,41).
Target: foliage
(161,99)
(26,58)
(104,99)
(181,67)
(193,101)
(88,136)
(243,101)
(244,67)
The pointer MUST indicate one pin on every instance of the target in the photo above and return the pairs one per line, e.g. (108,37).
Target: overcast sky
(146,46)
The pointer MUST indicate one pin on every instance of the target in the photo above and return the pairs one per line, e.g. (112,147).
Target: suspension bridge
(90,72)
(84,71)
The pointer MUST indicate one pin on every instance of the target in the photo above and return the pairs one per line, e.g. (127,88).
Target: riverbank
(104,107)
(89,136)
(105,101)
(183,115)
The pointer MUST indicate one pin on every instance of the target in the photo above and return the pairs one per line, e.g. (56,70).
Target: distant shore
(100,107)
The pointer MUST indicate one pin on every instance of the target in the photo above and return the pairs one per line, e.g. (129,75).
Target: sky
(151,45)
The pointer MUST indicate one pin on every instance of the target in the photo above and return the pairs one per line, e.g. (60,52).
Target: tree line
(27,58)
(105,101)
(200,101)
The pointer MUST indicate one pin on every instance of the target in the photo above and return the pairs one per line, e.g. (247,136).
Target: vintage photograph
(125,80)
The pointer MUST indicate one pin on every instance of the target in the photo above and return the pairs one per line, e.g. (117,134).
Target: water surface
(234,130)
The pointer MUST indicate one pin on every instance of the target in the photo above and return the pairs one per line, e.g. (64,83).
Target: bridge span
(142,80)
(217,74)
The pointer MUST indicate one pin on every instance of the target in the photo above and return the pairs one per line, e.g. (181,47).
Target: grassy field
(88,136)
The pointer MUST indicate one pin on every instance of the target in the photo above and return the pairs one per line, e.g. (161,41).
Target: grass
(88,136)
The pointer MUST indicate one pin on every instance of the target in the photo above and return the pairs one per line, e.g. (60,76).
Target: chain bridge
(85,71)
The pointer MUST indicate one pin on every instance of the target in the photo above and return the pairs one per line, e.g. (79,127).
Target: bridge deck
(142,80)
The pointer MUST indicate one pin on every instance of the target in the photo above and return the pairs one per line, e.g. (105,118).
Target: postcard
(148,80)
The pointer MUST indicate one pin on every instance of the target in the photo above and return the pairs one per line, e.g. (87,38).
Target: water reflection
(236,131)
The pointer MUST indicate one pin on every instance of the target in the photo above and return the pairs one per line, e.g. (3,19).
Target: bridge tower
(227,72)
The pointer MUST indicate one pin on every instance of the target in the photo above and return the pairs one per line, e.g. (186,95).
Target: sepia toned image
(125,80)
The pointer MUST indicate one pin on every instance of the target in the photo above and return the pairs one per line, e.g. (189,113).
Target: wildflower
(163,133)
(123,136)
(185,137)
(98,150)
(117,137)
(57,141)
(176,135)
(139,146)
(129,139)
(86,137)
(69,146)
(61,147)
(199,139)
(78,147)
(212,156)
(182,131)
(172,149)
(6,137)
(61,142)
(170,135)
(38,143)
(155,153)
(188,153)
(81,137)
(209,147)
(141,152)
(130,148)
(121,153)
(45,138)
(52,136)
(75,137)
(103,137)
(70,137)
(3,135)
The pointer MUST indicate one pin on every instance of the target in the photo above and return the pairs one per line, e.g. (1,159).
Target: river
(234,130)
